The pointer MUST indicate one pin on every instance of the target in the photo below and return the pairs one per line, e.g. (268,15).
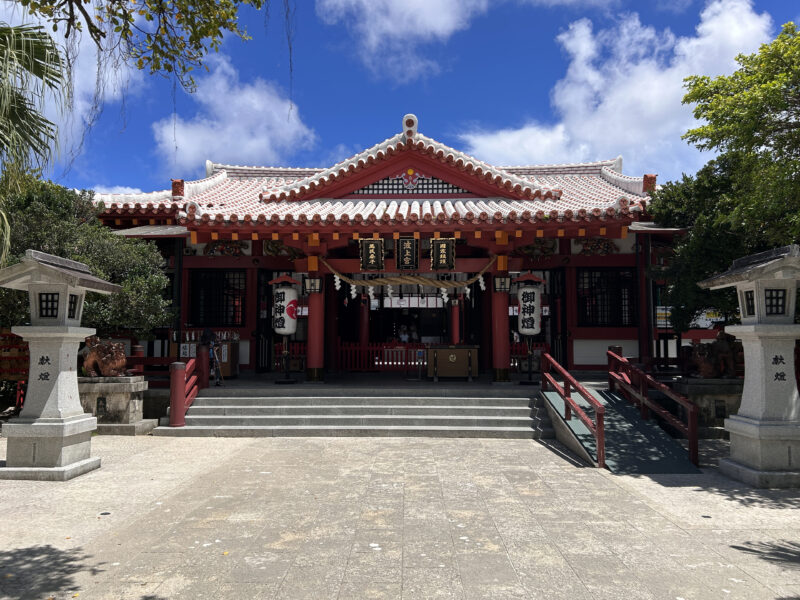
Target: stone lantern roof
(778,263)
(39,267)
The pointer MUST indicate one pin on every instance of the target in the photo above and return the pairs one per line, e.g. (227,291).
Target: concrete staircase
(342,411)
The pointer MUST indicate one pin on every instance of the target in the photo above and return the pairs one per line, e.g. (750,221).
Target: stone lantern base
(49,449)
(52,437)
(765,435)
(764,454)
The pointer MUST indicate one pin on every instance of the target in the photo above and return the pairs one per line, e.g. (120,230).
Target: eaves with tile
(365,194)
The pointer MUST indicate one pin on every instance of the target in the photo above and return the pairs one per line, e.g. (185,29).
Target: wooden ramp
(632,445)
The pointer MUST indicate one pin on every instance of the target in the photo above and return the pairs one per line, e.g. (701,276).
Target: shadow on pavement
(782,552)
(41,571)
(713,482)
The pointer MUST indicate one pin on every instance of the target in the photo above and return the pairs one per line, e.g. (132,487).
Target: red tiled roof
(240,194)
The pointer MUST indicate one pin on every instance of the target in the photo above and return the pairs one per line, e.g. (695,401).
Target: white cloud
(389,31)
(674,6)
(622,93)
(94,84)
(575,3)
(115,189)
(237,122)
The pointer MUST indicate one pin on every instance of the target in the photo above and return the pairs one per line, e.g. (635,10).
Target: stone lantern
(51,438)
(765,434)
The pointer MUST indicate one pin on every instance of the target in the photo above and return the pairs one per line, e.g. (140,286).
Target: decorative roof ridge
(135,198)
(632,185)
(213,168)
(406,141)
(613,163)
(198,186)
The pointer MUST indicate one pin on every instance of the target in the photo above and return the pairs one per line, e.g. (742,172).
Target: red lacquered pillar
(316,336)
(455,322)
(501,350)
(363,325)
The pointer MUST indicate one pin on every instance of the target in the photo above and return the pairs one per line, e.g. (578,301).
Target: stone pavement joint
(413,518)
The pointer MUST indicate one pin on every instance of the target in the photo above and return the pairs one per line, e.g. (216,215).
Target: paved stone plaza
(388,518)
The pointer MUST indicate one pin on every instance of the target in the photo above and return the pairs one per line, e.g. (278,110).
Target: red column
(501,350)
(331,324)
(455,322)
(137,351)
(177,394)
(363,325)
(202,368)
(316,336)
(486,324)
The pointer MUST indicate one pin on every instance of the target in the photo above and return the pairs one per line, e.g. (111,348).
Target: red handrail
(596,427)
(183,389)
(634,385)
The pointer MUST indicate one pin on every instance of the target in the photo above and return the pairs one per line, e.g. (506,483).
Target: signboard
(371,255)
(443,254)
(284,310)
(530,310)
(407,254)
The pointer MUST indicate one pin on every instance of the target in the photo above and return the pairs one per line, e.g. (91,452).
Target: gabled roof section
(485,179)
(249,195)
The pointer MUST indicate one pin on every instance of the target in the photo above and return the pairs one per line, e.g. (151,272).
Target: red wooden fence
(634,385)
(596,427)
(297,352)
(388,356)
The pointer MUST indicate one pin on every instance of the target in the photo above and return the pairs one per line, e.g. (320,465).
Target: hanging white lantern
(530,309)
(284,310)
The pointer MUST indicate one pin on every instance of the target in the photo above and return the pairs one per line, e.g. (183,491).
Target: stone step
(356,431)
(361,409)
(428,389)
(357,420)
(375,400)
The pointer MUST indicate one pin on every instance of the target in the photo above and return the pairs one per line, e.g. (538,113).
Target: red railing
(297,352)
(596,427)
(519,354)
(155,369)
(635,384)
(388,356)
(20,398)
(186,381)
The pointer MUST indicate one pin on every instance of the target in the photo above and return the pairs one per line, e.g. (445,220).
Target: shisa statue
(103,359)
(716,359)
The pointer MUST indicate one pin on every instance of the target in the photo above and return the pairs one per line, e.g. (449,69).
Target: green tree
(755,113)
(748,198)
(47,217)
(169,38)
(701,205)
(30,68)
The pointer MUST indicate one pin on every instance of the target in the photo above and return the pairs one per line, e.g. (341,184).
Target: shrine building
(407,245)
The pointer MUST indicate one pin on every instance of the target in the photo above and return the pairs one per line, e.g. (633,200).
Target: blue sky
(510,81)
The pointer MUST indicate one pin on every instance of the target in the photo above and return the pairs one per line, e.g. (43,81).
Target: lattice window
(48,306)
(217,298)
(395,185)
(73,305)
(607,298)
(749,303)
(775,301)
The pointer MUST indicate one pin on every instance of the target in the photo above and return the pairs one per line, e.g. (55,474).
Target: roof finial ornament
(410,125)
